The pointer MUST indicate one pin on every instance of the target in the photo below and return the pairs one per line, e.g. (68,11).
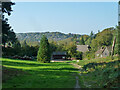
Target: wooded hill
(36,36)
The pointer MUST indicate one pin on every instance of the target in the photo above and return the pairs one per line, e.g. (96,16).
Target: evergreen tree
(8,34)
(44,54)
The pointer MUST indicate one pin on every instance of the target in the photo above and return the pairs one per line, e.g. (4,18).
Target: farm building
(59,55)
(103,52)
(83,48)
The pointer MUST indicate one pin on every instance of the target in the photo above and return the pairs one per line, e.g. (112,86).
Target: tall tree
(8,34)
(44,54)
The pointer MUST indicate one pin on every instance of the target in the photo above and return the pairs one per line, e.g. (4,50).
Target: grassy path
(77,77)
(31,74)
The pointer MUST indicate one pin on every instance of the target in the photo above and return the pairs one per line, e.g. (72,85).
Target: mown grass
(31,74)
(100,73)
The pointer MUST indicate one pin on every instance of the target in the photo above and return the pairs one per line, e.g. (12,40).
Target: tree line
(12,46)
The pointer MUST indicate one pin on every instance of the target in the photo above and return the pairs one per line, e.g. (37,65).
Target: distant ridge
(36,36)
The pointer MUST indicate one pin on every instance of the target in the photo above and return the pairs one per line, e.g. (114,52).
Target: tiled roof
(100,51)
(82,48)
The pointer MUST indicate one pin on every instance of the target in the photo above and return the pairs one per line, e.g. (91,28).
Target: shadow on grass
(41,78)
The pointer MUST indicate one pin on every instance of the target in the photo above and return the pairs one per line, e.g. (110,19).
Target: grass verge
(100,73)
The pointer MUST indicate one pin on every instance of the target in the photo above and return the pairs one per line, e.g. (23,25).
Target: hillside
(36,36)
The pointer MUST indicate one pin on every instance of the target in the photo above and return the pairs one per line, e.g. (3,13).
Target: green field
(96,73)
(31,74)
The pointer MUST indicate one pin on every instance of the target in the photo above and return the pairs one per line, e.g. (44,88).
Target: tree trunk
(113,46)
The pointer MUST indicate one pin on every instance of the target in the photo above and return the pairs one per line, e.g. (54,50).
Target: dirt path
(77,78)
(77,82)
(76,66)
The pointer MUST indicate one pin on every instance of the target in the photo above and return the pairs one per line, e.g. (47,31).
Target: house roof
(59,53)
(100,51)
(82,48)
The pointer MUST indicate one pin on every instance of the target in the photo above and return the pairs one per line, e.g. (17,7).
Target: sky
(65,17)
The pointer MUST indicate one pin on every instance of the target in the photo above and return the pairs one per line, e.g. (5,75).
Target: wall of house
(105,53)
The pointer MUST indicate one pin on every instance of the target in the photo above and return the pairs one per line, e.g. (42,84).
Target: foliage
(100,73)
(35,37)
(44,54)
(85,37)
(6,7)
(89,55)
(101,39)
(79,55)
(53,46)
(104,38)
(94,45)
(8,35)
(82,42)
(118,40)
(17,48)
(71,49)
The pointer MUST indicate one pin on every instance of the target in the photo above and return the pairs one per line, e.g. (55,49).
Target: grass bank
(100,73)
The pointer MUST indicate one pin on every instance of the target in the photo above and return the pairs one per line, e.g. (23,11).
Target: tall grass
(100,73)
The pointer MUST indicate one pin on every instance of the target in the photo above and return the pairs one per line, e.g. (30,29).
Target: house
(59,55)
(83,48)
(103,52)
